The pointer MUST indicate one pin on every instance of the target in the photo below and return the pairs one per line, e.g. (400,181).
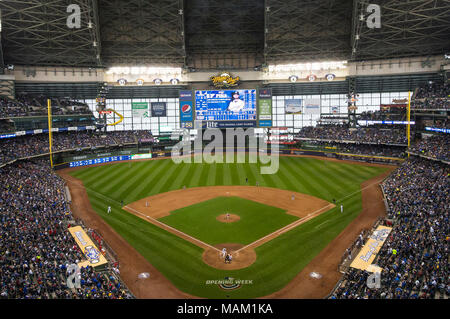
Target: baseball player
(236,104)
(109,209)
(342,208)
(228,216)
(224,252)
(292,197)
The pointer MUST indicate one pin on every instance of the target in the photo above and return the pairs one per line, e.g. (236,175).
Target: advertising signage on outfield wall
(109,159)
(100,160)
(369,122)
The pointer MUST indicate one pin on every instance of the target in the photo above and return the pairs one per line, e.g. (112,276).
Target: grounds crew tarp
(370,250)
(93,255)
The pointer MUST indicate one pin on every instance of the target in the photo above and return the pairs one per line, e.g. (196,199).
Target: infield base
(241,258)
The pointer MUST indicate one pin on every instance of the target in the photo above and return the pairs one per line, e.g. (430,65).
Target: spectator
(35,246)
(414,258)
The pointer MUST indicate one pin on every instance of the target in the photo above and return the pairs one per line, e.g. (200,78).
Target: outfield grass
(256,220)
(278,260)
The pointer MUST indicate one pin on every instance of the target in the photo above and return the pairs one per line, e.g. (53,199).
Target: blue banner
(185,95)
(100,160)
(265,123)
(186,112)
(8,135)
(436,129)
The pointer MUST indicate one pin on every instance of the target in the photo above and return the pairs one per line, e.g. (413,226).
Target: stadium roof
(217,34)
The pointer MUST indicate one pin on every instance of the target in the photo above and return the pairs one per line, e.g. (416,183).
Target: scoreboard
(226,108)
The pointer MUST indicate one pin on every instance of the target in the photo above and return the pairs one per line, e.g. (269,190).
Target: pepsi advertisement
(186,109)
(226,105)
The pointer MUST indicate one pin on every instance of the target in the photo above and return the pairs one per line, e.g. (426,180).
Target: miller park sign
(224,80)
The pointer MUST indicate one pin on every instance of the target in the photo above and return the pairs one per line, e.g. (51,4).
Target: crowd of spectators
(25,146)
(437,104)
(395,114)
(414,257)
(444,123)
(362,134)
(35,245)
(26,105)
(9,108)
(433,90)
(436,146)
(6,126)
(432,96)
(363,149)
(372,150)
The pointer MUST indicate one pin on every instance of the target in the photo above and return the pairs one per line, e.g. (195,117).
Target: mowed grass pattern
(256,220)
(278,261)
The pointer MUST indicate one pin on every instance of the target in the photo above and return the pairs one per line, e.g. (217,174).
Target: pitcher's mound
(231,218)
(241,258)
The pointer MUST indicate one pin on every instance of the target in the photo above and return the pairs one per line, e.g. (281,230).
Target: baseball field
(179,217)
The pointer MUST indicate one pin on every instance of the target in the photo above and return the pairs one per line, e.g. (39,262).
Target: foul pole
(49,107)
(408,118)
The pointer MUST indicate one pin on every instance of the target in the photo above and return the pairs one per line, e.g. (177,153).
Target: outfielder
(109,209)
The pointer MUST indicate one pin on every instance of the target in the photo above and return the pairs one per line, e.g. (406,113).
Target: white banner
(311,106)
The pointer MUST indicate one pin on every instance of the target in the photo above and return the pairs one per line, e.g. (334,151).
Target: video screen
(225,105)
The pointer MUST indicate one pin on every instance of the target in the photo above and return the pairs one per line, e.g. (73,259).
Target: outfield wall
(94,159)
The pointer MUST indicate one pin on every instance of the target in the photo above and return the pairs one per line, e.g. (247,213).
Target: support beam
(96,33)
(35,32)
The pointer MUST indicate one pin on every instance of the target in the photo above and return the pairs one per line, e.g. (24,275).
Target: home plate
(315,275)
